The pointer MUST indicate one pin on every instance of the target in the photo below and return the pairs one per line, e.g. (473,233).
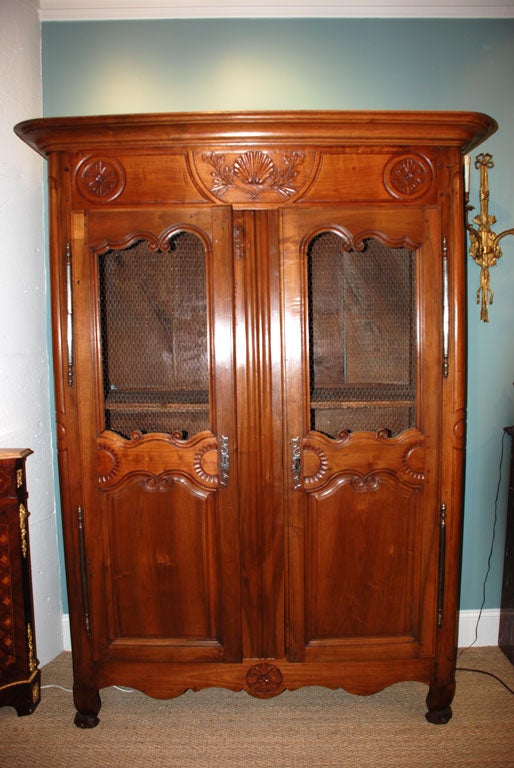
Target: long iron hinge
(442,563)
(69,314)
(83,567)
(446,309)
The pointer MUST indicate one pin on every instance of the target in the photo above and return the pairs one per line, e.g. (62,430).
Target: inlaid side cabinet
(259,334)
(506,629)
(19,674)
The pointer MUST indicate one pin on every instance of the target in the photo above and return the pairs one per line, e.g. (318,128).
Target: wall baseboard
(66,637)
(486,631)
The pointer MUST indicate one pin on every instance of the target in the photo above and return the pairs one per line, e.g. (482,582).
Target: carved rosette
(100,179)
(256,175)
(408,176)
(264,680)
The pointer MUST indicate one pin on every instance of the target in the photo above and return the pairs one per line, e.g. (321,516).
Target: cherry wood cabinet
(260,382)
(20,678)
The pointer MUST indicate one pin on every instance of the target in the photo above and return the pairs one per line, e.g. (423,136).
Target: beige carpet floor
(301,729)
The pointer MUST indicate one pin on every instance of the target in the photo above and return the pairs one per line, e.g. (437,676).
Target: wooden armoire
(259,350)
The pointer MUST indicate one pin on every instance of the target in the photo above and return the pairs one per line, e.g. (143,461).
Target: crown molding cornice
(82,10)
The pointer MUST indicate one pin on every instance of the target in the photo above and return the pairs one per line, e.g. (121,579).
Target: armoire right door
(363,368)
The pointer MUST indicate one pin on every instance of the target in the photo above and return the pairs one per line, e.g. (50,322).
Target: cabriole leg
(439,699)
(88,703)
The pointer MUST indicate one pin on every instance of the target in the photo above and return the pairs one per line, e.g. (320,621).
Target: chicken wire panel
(362,336)
(154,337)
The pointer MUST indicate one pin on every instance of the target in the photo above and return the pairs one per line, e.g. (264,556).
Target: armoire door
(363,377)
(153,325)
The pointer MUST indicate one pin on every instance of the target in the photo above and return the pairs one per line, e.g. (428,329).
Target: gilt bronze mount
(484,246)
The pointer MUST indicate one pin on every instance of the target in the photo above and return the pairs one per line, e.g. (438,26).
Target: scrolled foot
(439,699)
(84,720)
(439,716)
(87,703)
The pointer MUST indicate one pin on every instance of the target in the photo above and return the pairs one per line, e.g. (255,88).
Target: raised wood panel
(158,556)
(370,525)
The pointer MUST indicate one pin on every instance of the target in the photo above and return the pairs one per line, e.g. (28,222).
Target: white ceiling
(75,10)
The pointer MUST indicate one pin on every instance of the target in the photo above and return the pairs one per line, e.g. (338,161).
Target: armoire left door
(150,314)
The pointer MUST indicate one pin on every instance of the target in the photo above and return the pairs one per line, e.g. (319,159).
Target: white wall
(24,373)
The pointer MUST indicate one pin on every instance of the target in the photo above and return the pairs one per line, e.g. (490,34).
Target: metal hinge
(442,564)
(69,314)
(83,567)
(446,310)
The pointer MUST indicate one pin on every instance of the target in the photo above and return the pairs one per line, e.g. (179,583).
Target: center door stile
(260,431)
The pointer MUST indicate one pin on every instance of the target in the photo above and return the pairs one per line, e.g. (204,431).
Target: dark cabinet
(19,673)
(506,631)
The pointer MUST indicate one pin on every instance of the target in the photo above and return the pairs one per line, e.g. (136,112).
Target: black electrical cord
(489,674)
(491,549)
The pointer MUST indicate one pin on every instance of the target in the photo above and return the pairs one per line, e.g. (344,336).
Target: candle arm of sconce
(501,235)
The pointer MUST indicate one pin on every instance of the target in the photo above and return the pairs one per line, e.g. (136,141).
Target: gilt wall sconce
(484,246)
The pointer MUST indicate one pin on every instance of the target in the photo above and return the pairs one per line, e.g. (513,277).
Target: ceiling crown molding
(81,10)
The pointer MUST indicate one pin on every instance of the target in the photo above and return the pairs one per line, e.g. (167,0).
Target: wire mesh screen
(362,336)
(154,335)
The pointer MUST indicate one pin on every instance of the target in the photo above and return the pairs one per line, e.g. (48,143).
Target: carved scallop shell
(253,167)
(108,464)
(320,457)
(198,463)
(413,462)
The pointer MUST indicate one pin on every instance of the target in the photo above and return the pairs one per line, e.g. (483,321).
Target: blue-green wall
(159,66)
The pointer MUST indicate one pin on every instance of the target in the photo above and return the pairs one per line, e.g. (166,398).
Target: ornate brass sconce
(484,246)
